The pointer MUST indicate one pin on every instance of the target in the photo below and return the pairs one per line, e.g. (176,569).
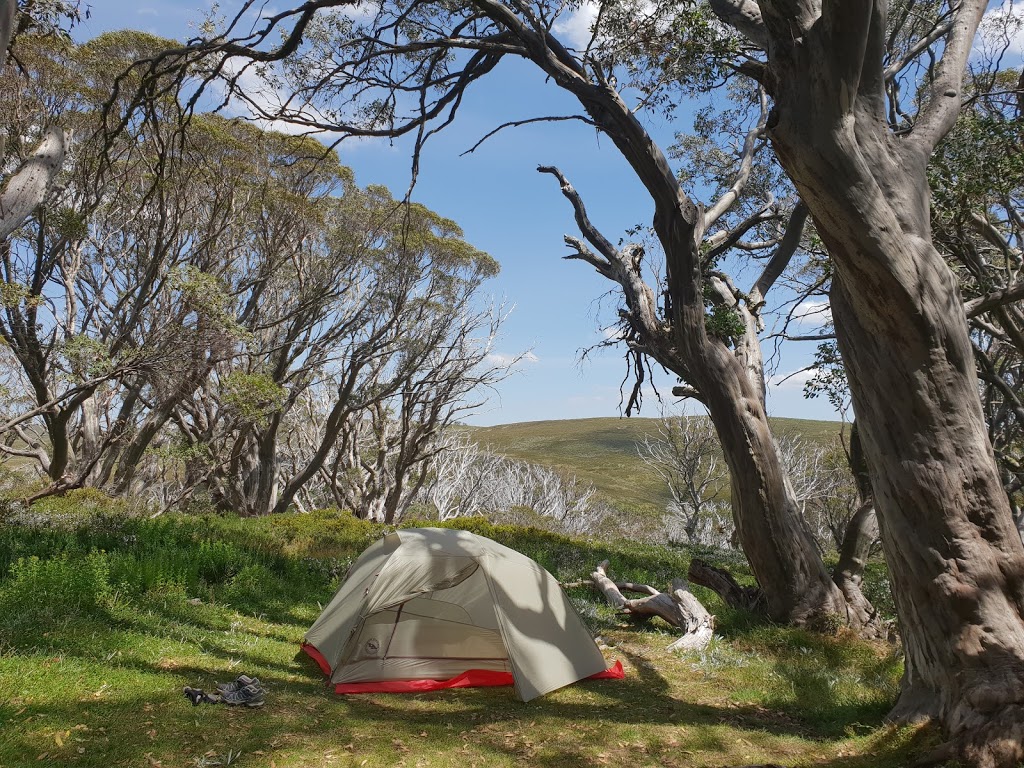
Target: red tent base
(471,678)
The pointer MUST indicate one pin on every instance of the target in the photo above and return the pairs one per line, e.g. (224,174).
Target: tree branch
(943,106)
(517,123)
(783,254)
(590,232)
(897,66)
(745,17)
(746,164)
(977,306)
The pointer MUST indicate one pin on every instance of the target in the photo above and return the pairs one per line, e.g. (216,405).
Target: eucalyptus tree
(686,454)
(177,297)
(363,346)
(63,318)
(705,330)
(391,445)
(853,121)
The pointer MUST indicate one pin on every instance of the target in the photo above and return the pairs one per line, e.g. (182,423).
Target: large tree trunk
(956,561)
(797,586)
(781,553)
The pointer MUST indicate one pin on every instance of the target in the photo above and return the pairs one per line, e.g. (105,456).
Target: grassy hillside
(104,617)
(603,451)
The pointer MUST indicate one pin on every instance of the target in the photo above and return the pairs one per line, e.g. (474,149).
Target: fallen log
(678,607)
(725,586)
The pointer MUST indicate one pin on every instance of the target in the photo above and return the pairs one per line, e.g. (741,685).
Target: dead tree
(678,607)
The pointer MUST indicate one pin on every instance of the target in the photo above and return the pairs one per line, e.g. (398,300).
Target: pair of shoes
(247,696)
(240,682)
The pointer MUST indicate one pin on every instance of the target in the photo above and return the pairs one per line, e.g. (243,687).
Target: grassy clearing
(116,614)
(603,452)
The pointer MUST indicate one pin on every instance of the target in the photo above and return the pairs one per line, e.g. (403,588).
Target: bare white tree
(687,454)
(470,480)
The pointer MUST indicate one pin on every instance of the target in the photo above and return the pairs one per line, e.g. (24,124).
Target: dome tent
(430,608)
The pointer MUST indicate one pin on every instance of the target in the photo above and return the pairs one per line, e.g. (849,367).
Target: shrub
(46,592)
(252,587)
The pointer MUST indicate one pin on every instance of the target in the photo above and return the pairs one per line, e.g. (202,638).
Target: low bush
(41,592)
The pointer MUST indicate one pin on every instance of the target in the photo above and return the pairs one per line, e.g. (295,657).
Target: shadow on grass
(301,713)
(642,698)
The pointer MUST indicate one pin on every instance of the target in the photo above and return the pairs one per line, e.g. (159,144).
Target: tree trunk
(955,559)
(268,485)
(848,575)
(797,586)
(782,555)
(860,534)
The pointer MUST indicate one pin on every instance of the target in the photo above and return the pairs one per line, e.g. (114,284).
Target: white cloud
(504,359)
(360,11)
(576,27)
(812,313)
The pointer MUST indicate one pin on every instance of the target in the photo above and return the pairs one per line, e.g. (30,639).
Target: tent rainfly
(430,608)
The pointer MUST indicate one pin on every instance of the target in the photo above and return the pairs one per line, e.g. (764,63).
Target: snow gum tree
(853,120)
(956,561)
(406,67)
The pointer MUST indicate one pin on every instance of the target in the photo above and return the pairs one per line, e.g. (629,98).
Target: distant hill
(603,451)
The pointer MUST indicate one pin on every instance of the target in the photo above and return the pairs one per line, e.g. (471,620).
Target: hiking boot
(239,683)
(248,696)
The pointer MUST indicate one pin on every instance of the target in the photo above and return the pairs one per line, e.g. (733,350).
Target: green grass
(100,632)
(603,451)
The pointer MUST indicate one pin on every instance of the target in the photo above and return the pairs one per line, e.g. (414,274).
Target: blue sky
(519,216)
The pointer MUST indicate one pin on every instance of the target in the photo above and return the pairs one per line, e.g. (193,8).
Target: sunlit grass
(99,683)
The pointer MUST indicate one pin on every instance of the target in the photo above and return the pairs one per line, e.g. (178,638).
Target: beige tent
(429,608)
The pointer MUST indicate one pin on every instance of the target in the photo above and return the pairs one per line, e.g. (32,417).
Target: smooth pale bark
(28,187)
(956,561)
(679,607)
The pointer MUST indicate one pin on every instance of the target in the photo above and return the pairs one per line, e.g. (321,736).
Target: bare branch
(897,66)
(783,254)
(750,147)
(723,240)
(1007,295)
(590,232)
(813,337)
(517,123)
